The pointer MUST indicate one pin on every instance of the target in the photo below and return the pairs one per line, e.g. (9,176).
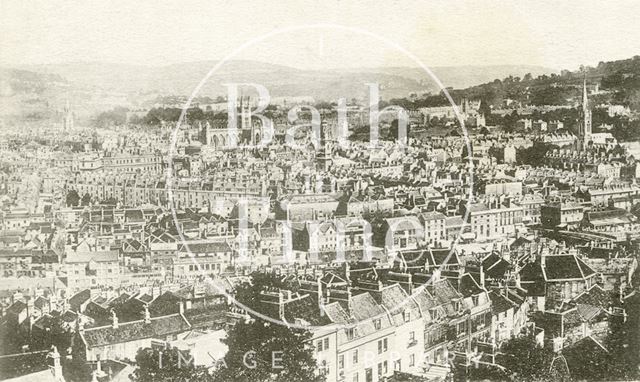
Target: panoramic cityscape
(349,192)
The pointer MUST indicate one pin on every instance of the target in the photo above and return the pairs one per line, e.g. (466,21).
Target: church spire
(585,98)
(584,128)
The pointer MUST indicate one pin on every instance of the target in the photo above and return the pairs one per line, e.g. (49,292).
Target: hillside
(618,81)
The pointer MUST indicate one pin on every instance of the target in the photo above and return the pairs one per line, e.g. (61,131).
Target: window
(407,316)
(412,338)
(350,333)
(377,323)
(385,367)
(379,370)
(412,360)
(319,346)
(355,357)
(341,361)
(382,346)
(326,343)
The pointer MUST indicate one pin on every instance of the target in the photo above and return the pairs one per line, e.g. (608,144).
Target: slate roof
(206,317)
(396,301)
(444,292)
(499,304)
(210,247)
(133,216)
(135,330)
(468,286)
(306,309)
(564,267)
(532,279)
(17,307)
(429,257)
(39,376)
(495,266)
(40,302)
(98,256)
(596,296)
(424,299)
(69,316)
(43,322)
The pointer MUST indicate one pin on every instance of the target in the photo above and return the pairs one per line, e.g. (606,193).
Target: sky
(302,33)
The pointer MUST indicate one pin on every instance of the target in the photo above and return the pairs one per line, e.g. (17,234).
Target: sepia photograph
(319,191)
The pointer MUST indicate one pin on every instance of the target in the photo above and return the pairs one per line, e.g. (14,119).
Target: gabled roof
(495,266)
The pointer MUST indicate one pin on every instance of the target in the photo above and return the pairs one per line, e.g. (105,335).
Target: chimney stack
(281,305)
(350,302)
(56,369)
(147,315)
(114,319)
(320,297)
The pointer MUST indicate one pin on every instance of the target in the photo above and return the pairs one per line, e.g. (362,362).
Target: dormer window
(407,316)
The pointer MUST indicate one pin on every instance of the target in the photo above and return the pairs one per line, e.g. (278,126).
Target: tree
(525,360)
(86,199)
(38,343)
(622,344)
(168,364)
(110,201)
(484,108)
(73,199)
(535,155)
(479,372)
(261,350)
(116,116)
(394,130)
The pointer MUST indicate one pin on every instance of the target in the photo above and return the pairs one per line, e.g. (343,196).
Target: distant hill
(29,94)
(460,77)
(329,84)
(15,81)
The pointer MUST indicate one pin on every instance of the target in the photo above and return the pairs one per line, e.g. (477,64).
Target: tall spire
(584,127)
(585,99)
